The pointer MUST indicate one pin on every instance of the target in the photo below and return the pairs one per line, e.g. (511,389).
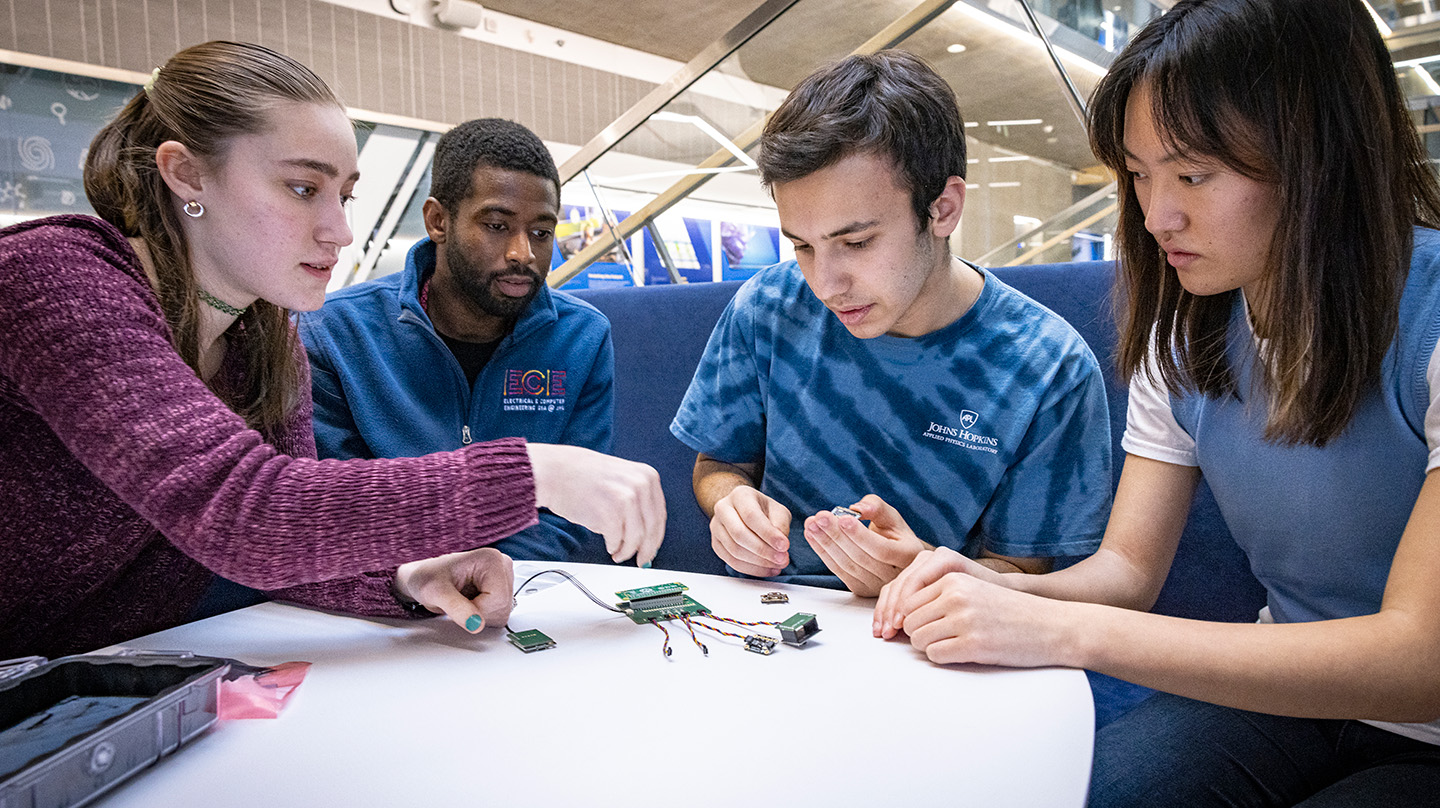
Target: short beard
(474,284)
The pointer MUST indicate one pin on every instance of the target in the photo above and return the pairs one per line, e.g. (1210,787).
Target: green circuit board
(643,613)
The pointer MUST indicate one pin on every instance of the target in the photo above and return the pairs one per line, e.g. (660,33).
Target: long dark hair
(1300,94)
(202,97)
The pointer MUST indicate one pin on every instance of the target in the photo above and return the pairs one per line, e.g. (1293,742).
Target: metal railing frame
(1087,202)
(654,101)
(893,34)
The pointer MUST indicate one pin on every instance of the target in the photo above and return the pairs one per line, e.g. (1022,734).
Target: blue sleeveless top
(1320,526)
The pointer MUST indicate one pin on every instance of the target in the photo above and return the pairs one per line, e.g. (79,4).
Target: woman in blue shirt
(1280,288)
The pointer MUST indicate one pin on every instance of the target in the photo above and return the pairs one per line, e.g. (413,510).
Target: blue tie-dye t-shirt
(991,432)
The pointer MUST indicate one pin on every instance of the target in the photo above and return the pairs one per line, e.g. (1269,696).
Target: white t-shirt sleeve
(1432,414)
(1152,431)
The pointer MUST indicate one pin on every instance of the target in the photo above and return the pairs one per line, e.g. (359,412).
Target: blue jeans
(1175,751)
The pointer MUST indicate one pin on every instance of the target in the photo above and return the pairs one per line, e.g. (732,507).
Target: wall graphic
(578,228)
(47,121)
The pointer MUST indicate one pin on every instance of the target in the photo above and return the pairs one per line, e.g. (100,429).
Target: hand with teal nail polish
(474,588)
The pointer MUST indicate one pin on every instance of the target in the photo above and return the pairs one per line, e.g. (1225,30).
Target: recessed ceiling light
(955,48)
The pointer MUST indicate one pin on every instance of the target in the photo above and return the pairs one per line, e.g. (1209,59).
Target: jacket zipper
(465,438)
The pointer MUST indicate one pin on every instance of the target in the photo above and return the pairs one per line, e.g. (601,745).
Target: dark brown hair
(1300,94)
(203,97)
(889,103)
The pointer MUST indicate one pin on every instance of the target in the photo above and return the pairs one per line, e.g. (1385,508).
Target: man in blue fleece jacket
(468,343)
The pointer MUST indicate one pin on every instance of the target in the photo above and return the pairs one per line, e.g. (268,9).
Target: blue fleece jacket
(385,385)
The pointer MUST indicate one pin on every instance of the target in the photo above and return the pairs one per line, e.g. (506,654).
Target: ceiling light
(969,124)
(1004,185)
(1016,122)
(955,48)
(1018,158)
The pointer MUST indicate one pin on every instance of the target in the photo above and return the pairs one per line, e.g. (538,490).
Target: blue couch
(661,331)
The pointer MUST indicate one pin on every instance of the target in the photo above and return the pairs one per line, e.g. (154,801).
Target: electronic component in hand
(798,628)
(531,640)
(774,597)
(840,510)
(662,602)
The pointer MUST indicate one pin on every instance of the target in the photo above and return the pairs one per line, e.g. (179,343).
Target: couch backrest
(659,334)
(661,331)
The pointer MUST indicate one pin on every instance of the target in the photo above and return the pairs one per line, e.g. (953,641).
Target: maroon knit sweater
(123,478)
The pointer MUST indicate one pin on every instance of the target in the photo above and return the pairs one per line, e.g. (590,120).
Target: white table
(421,714)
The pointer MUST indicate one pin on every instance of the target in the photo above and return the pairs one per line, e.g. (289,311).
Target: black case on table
(180,697)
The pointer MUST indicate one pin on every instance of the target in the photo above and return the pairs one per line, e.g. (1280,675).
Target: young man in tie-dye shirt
(879,372)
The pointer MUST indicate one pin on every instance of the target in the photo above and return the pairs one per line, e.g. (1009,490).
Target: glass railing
(1401,14)
(680,194)
(1082,232)
(673,195)
(1107,22)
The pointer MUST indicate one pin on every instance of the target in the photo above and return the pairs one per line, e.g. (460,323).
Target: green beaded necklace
(218,304)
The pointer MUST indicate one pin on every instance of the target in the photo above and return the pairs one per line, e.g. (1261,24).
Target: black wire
(573,580)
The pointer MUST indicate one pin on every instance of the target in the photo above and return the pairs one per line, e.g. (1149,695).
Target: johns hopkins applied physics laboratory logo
(962,436)
(534,391)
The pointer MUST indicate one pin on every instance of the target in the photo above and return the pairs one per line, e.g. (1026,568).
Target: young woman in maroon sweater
(155,401)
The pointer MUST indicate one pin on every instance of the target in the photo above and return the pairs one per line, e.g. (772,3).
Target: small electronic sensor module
(797,629)
(532,640)
(759,644)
